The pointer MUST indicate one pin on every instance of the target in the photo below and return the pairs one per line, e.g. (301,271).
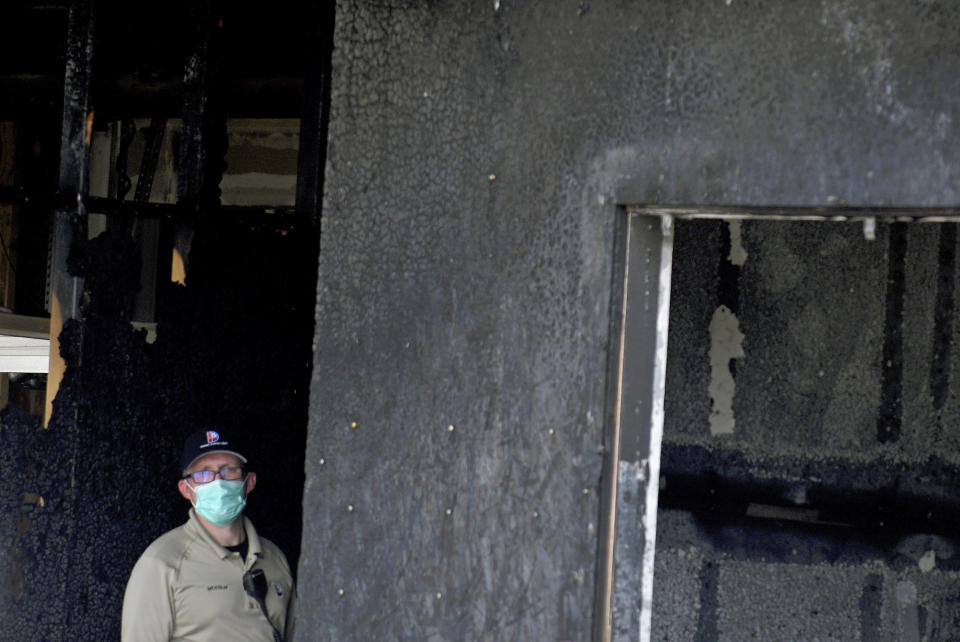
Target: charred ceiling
(142,49)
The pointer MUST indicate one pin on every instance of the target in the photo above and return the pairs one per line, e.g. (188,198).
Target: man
(199,581)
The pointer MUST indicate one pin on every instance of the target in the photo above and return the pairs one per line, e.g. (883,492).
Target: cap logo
(212,437)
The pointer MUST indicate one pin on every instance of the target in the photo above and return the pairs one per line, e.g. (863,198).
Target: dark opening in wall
(791,497)
(230,346)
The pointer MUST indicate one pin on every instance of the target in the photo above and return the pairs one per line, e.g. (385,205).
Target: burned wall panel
(213,363)
(448,334)
(232,348)
(476,158)
(82,498)
(805,478)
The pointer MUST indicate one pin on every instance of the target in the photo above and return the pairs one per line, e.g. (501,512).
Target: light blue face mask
(220,502)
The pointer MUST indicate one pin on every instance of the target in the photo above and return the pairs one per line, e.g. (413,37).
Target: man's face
(214,461)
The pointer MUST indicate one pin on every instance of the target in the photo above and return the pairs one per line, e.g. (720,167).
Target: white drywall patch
(726,343)
(738,255)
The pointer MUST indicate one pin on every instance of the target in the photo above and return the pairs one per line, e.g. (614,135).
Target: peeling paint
(726,343)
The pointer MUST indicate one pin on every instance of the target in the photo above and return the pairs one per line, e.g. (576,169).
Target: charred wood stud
(70,221)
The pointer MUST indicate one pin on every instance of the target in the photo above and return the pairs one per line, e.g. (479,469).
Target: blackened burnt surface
(233,350)
(707,624)
(943,315)
(881,501)
(103,468)
(17,429)
(890,418)
(37,156)
(477,156)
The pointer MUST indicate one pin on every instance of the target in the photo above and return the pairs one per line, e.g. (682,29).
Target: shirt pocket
(207,592)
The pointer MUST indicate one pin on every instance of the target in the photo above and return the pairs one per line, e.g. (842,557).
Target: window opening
(636,442)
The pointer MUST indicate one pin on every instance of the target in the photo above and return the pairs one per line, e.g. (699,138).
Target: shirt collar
(196,528)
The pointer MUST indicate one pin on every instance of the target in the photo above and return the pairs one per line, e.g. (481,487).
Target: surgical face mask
(220,502)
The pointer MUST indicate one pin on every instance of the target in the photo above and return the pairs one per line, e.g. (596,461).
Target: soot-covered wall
(810,447)
(83,498)
(478,153)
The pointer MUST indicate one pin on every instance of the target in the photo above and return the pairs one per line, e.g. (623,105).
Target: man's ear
(250,483)
(185,490)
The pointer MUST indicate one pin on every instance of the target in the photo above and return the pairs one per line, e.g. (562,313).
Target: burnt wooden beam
(203,136)
(70,220)
(311,156)
(198,179)
(134,209)
(69,232)
(884,499)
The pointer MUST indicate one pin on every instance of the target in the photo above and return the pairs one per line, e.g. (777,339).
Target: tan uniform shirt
(186,586)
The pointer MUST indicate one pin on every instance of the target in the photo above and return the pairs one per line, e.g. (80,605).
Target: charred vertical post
(943,317)
(70,222)
(69,231)
(890,415)
(203,136)
(147,232)
(316,111)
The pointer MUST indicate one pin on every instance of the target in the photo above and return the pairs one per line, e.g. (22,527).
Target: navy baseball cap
(205,442)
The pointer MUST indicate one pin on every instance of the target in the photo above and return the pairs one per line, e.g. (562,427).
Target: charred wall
(477,158)
(232,349)
(83,497)
(800,489)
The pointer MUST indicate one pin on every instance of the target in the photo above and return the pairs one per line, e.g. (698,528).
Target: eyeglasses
(227,473)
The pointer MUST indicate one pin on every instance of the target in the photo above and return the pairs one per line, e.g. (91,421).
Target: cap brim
(214,452)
